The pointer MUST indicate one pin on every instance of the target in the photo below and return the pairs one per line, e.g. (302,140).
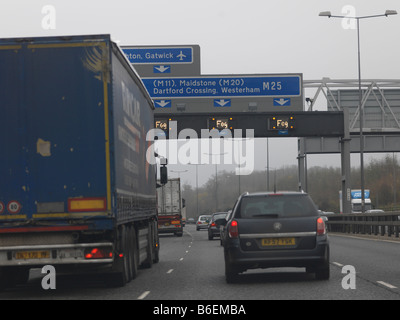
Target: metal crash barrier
(378,224)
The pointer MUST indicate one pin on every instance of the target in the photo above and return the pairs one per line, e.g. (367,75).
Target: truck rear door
(53,129)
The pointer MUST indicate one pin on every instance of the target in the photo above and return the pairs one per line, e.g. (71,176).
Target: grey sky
(235,37)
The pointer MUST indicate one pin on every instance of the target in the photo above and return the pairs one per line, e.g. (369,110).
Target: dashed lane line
(388,285)
(143,295)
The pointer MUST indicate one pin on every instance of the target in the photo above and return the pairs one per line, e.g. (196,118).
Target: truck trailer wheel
(133,256)
(179,233)
(152,248)
(122,267)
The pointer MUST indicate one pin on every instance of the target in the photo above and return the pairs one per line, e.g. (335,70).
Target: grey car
(202,222)
(266,230)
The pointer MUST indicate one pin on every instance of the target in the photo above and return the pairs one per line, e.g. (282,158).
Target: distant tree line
(382,178)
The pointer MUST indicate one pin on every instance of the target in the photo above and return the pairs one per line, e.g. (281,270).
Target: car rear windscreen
(273,206)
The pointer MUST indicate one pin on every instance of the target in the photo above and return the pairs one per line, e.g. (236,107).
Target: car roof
(269,193)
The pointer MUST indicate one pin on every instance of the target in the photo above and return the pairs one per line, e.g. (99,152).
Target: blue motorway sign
(161,55)
(356,194)
(225,86)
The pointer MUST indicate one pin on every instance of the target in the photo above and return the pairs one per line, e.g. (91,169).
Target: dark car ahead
(267,230)
(214,224)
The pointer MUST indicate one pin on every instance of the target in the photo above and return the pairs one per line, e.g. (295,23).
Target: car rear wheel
(323,272)
(231,271)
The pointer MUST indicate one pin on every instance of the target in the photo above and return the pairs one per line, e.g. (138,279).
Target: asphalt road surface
(192,268)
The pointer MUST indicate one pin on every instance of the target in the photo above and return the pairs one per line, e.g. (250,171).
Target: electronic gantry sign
(284,124)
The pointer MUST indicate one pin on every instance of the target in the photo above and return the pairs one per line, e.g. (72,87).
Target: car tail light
(320,226)
(234,230)
(213,224)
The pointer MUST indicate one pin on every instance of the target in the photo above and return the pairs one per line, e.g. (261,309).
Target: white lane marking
(180,259)
(388,285)
(143,295)
(170,270)
(338,264)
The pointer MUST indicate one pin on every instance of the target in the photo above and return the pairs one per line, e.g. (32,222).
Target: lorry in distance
(171,210)
(355,199)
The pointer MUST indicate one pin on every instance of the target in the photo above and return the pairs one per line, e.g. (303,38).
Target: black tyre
(134,256)
(231,271)
(322,272)
(148,263)
(121,273)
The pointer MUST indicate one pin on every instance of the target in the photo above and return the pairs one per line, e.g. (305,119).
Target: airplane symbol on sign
(181,56)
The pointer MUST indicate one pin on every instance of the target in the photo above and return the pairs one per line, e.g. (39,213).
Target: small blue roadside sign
(282,102)
(162,69)
(162,103)
(162,55)
(218,103)
(283,132)
(274,86)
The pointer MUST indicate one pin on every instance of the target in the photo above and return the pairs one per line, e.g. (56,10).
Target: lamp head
(325,14)
(390,13)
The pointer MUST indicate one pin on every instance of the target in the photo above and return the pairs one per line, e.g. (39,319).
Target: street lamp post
(197,186)
(216,176)
(360,107)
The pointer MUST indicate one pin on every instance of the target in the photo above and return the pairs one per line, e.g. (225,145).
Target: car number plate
(278,242)
(32,255)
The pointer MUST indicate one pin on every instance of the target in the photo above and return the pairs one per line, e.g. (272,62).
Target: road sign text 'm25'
(225,86)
